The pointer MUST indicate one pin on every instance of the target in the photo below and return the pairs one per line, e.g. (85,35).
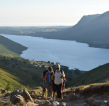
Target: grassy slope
(97,75)
(10,47)
(9,69)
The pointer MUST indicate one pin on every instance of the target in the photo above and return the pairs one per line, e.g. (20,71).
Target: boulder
(100,102)
(32,92)
(7,94)
(54,103)
(3,91)
(65,104)
(27,96)
(89,100)
(31,104)
(46,102)
(17,99)
(15,92)
(38,87)
(34,96)
(72,97)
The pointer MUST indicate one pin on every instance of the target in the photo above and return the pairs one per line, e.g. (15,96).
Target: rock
(54,103)
(67,93)
(17,99)
(15,92)
(27,96)
(99,102)
(65,104)
(7,94)
(32,92)
(34,96)
(31,104)
(3,91)
(72,97)
(89,100)
(46,102)
(39,87)
(64,100)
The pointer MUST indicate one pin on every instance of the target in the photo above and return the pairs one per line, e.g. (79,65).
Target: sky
(48,12)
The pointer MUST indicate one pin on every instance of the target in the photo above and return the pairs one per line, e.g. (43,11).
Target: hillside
(97,75)
(8,47)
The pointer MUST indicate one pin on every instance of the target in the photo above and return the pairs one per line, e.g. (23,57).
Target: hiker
(53,89)
(43,77)
(59,77)
(48,80)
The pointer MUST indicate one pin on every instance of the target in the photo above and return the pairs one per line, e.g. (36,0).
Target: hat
(58,65)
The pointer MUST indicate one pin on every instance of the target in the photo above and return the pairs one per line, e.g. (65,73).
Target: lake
(68,53)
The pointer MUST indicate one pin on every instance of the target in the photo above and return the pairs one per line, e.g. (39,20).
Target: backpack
(48,77)
(45,72)
(60,70)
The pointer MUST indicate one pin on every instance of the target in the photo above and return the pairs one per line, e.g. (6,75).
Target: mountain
(92,29)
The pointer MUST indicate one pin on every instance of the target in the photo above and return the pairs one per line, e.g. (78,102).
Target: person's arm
(42,75)
(45,77)
(63,75)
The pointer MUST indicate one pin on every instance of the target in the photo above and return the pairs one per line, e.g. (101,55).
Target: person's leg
(59,90)
(43,87)
(54,90)
(49,90)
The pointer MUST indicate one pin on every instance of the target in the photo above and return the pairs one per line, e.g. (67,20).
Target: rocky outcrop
(17,99)
(27,96)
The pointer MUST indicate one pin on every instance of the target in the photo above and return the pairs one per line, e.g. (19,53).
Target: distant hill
(9,47)
(97,75)
(90,29)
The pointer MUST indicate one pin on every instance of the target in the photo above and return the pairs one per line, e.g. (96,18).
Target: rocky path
(25,98)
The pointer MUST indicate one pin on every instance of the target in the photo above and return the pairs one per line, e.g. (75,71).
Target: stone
(72,97)
(7,94)
(32,92)
(27,96)
(54,103)
(99,102)
(89,100)
(3,91)
(46,102)
(65,104)
(31,104)
(38,87)
(17,99)
(34,96)
(15,92)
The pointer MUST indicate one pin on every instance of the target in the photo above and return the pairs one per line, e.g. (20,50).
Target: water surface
(68,53)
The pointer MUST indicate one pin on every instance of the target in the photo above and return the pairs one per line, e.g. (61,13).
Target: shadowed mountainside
(11,45)
(97,75)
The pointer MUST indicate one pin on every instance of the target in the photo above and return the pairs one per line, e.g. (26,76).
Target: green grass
(6,78)
(6,52)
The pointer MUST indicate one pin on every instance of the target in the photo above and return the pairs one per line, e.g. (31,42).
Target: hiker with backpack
(43,77)
(48,80)
(53,89)
(59,78)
